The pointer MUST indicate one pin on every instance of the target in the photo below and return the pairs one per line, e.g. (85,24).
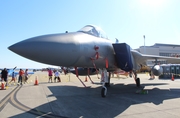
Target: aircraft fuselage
(67,49)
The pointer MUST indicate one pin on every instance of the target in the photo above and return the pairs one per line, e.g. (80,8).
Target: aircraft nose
(54,49)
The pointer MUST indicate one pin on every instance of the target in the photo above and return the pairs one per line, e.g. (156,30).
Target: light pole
(144,45)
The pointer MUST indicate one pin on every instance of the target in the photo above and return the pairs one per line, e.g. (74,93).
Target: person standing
(21,72)
(50,74)
(4,75)
(26,75)
(13,77)
(57,74)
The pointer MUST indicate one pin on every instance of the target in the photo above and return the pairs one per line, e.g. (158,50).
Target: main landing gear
(137,80)
(105,79)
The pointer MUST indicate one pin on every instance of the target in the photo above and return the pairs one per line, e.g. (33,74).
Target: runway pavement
(71,99)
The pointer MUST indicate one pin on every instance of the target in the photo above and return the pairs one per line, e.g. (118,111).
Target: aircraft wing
(142,58)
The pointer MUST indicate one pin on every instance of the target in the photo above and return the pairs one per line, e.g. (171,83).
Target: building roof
(169,45)
(157,45)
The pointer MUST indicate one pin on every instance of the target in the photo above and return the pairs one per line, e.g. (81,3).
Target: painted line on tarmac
(17,104)
(5,100)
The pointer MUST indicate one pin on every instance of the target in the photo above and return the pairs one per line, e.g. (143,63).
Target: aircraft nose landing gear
(103,90)
(105,79)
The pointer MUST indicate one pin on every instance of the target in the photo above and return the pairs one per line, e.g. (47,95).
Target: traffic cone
(172,78)
(36,81)
(2,86)
(86,79)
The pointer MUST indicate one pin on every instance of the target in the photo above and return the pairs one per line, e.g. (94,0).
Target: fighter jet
(88,47)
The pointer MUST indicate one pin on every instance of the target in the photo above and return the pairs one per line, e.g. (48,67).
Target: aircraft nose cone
(12,48)
(55,49)
(18,47)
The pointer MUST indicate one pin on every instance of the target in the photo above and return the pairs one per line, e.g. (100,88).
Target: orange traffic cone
(2,86)
(36,81)
(172,78)
(86,79)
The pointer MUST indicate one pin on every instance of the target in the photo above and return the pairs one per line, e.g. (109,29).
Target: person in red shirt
(21,72)
(50,74)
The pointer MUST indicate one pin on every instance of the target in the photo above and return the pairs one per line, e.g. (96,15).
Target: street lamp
(144,45)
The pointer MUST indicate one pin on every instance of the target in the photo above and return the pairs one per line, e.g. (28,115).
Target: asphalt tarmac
(70,99)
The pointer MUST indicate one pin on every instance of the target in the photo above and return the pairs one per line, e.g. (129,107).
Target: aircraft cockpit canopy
(94,30)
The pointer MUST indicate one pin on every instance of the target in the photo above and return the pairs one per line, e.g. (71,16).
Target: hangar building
(169,50)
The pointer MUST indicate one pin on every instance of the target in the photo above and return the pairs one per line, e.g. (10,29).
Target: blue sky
(127,20)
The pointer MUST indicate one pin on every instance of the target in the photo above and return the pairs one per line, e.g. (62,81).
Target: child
(13,78)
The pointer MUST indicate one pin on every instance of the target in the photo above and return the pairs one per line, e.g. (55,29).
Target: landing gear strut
(103,91)
(107,84)
(105,79)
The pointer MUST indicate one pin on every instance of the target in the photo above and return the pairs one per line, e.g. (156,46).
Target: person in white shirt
(57,74)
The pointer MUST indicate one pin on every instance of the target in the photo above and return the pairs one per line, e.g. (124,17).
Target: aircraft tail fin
(14,68)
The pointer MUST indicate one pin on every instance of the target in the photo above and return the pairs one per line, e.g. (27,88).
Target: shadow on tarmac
(73,102)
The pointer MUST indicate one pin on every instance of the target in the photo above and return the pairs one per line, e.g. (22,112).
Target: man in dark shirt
(4,75)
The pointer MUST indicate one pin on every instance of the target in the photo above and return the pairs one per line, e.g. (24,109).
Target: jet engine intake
(157,70)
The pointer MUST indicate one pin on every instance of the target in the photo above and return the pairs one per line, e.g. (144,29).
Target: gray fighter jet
(87,48)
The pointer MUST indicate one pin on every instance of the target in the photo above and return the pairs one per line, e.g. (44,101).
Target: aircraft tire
(103,92)
(138,82)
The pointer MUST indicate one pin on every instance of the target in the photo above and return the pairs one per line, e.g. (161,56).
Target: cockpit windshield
(94,30)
